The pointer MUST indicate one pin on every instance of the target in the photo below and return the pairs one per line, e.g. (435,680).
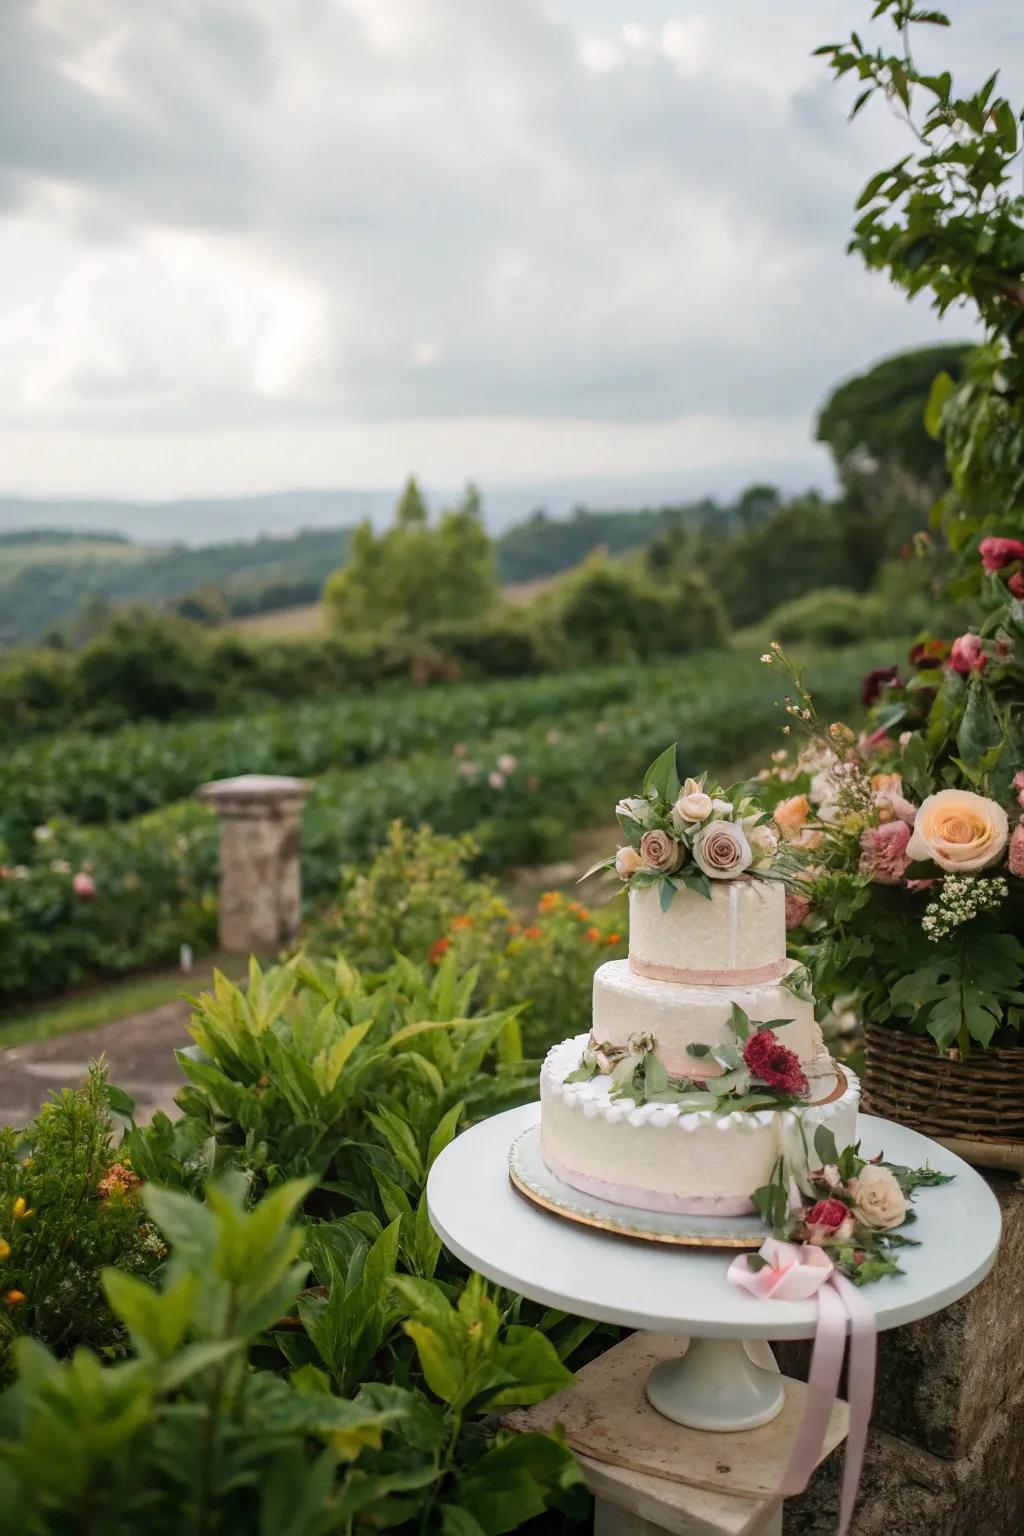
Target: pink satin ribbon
(654,971)
(796,1272)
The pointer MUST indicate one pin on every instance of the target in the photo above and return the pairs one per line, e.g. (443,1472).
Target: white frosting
(668,1150)
(626,1004)
(741,928)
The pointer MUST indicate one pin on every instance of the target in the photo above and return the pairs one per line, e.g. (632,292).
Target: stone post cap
(250,793)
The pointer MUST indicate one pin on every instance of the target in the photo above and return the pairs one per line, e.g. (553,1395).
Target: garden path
(139,1051)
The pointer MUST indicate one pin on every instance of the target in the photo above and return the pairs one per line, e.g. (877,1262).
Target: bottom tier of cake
(661,1157)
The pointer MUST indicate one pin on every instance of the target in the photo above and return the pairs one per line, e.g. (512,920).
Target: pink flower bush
(507,763)
(495,779)
(883,852)
(84,886)
(829,1221)
(995,553)
(968,655)
(774,1064)
(1018,784)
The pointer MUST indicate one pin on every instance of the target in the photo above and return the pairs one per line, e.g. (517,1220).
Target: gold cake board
(683,1480)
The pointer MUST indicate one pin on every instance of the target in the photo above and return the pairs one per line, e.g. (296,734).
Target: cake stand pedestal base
(651,1473)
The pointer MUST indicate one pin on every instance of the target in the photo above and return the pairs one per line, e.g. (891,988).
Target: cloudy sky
(249,244)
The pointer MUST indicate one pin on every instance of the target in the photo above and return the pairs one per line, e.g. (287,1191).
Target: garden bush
(309,1359)
(833,616)
(418,898)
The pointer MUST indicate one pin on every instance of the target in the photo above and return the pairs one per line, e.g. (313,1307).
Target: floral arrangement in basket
(903,848)
(682,834)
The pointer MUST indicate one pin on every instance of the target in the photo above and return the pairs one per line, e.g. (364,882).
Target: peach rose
(721,850)
(764,840)
(693,804)
(877,1198)
(791,814)
(959,830)
(627,862)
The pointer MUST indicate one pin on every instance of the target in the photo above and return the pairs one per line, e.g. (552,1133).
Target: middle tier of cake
(628,1006)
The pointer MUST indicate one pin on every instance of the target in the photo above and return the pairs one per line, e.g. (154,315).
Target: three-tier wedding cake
(704,1075)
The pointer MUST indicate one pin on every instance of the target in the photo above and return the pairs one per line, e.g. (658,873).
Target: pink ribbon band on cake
(795,1272)
(650,1199)
(774,970)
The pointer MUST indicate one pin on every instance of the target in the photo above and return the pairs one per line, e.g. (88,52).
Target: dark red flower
(1016,584)
(774,1064)
(881,677)
(995,553)
(438,950)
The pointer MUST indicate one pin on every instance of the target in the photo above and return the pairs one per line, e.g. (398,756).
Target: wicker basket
(975,1106)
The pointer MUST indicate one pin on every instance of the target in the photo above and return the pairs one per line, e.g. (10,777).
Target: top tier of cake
(737,938)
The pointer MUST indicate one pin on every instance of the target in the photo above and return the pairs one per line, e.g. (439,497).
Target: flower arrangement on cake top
(682,834)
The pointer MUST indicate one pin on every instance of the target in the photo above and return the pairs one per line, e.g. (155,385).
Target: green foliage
(67,1209)
(543,965)
(948,219)
(831,616)
(413,574)
(258,1396)
(613,612)
(797,549)
(155,877)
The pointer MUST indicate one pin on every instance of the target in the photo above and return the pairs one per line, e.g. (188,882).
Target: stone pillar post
(260,892)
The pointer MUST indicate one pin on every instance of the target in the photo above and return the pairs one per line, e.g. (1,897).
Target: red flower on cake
(774,1064)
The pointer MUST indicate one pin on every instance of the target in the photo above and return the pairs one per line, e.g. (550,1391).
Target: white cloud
(258,216)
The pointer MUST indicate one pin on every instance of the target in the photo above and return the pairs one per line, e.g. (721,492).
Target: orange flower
(550,901)
(533,932)
(515,928)
(14,1299)
(614,938)
(438,950)
(462,921)
(118,1180)
(579,910)
(594,935)
(5,1250)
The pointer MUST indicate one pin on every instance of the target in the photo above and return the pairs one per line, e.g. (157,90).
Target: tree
(890,469)
(948,220)
(414,574)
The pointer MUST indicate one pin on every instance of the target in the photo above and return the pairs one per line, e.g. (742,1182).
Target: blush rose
(661,852)
(877,1198)
(959,830)
(721,850)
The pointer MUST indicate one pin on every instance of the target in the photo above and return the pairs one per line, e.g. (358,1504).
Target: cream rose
(722,851)
(959,830)
(693,804)
(791,814)
(877,1198)
(661,852)
(637,809)
(627,862)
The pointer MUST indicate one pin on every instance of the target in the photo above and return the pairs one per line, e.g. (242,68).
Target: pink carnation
(797,907)
(1015,856)
(968,655)
(995,553)
(774,1064)
(883,852)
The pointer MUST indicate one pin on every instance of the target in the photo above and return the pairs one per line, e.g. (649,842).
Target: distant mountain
(206,520)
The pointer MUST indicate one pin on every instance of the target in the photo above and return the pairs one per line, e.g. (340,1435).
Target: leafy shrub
(609,612)
(510,643)
(68,1208)
(833,616)
(417,898)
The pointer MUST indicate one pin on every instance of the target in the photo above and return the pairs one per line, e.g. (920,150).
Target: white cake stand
(721,1382)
